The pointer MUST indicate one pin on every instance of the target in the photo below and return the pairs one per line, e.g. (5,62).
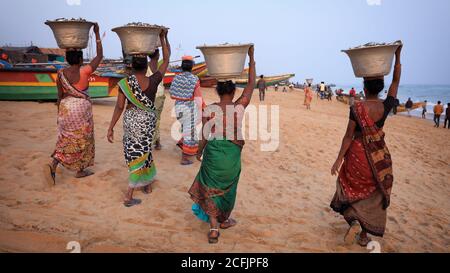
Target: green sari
(215,187)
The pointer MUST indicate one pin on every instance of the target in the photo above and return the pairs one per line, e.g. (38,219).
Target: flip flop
(86,173)
(213,240)
(186,163)
(230,222)
(352,231)
(132,203)
(50,175)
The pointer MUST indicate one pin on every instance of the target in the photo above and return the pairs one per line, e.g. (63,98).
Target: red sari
(365,179)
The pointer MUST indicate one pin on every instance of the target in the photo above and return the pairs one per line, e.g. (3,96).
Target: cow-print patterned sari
(138,127)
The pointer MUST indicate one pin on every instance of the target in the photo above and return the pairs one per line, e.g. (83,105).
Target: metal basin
(71,34)
(372,61)
(225,61)
(309,81)
(138,39)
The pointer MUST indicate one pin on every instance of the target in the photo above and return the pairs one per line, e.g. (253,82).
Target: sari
(308,96)
(366,178)
(75,147)
(138,126)
(185,90)
(215,187)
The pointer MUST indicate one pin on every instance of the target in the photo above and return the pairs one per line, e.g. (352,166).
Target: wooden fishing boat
(40,84)
(199,70)
(344,98)
(416,105)
(208,82)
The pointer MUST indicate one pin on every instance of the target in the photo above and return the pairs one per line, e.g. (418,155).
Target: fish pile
(140,24)
(69,20)
(373,44)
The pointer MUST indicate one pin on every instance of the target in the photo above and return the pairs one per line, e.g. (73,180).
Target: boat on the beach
(345,98)
(208,82)
(40,84)
(416,105)
(199,70)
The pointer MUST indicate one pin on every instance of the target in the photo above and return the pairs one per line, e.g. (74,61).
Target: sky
(304,37)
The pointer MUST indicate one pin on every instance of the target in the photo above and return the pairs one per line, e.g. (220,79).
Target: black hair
(374,87)
(154,54)
(187,66)
(439,102)
(262,76)
(225,88)
(74,57)
(309,85)
(139,63)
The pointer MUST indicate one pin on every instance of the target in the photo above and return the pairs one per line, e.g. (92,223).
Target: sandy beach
(283,196)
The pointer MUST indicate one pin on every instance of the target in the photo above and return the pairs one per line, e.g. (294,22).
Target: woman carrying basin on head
(75,147)
(214,189)
(138,91)
(365,177)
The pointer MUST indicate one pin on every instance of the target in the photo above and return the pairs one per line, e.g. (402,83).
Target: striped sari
(185,90)
(75,147)
(366,177)
(139,126)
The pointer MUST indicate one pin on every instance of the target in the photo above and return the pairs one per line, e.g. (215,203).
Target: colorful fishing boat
(40,84)
(198,70)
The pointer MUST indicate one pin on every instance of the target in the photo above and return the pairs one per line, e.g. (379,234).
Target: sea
(417,93)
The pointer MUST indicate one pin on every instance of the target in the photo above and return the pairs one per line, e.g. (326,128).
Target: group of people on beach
(140,100)
(363,166)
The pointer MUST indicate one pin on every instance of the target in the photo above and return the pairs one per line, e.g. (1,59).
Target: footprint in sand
(110,173)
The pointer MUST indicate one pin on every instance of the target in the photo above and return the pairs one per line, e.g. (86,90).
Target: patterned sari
(215,187)
(75,147)
(184,90)
(138,126)
(366,177)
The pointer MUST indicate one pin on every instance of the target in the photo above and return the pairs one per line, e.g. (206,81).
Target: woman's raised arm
(248,91)
(98,59)
(393,90)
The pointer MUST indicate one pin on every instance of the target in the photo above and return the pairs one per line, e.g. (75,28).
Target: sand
(283,196)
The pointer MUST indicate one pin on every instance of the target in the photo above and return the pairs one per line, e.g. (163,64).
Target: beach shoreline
(283,196)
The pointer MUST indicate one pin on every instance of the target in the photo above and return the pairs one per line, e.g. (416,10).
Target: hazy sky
(291,36)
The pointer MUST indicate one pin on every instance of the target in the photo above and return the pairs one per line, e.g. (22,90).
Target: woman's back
(377,110)
(228,119)
(79,77)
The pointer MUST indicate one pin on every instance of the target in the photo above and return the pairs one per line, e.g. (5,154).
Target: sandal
(84,173)
(213,240)
(50,175)
(132,203)
(352,231)
(229,223)
(363,241)
(186,162)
